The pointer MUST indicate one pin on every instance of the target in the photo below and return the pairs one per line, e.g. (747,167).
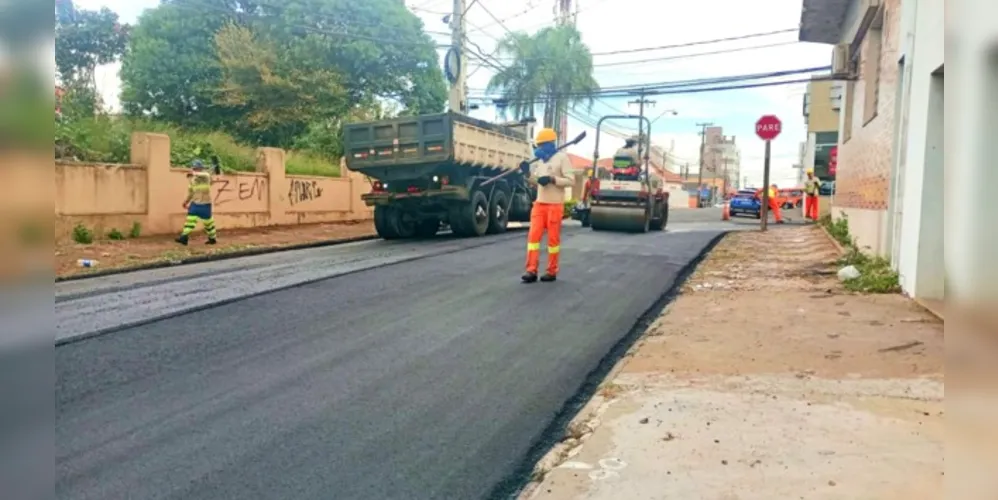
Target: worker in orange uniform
(551,176)
(812,186)
(774,205)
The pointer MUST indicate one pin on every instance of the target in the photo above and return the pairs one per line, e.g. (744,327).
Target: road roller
(626,197)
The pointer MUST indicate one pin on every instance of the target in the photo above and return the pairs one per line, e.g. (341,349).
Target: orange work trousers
(811,206)
(774,207)
(544,217)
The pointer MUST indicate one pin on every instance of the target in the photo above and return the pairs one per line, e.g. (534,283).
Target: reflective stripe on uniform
(201,188)
(554,249)
(533,246)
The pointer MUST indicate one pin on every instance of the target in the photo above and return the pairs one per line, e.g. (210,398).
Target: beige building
(822,103)
(722,157)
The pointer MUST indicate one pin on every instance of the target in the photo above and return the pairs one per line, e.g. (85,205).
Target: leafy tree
(85,39)
(553,67)
(330,53)
(279,97)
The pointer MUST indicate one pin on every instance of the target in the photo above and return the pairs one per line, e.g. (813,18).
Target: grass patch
(839,229)
(107,139)
(136,230)
(876,274)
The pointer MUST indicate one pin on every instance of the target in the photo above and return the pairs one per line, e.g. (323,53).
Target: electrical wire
(698,54)
(648,88)
(693,44)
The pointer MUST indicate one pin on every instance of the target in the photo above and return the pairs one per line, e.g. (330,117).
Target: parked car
(745,203)
(791,198)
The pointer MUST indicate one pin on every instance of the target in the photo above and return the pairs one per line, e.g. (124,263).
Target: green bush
(107,139)
(83,235)
(876,274)
(114,234)
(136,230)
(569,205)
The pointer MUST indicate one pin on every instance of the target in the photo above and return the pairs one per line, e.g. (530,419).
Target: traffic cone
(725,212)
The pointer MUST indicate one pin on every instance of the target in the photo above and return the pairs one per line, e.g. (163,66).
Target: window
(850,99)
(874,40)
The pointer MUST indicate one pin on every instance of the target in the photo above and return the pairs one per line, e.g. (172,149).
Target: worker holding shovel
(550,175)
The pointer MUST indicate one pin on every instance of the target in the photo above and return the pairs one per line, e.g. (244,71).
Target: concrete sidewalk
(765,380)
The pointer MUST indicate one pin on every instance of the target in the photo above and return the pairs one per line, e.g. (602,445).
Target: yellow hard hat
(810,172)
(546,135)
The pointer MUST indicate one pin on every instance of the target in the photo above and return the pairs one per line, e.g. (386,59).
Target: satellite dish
(452,65)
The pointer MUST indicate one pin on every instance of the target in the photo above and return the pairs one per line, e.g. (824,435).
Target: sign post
(767,128)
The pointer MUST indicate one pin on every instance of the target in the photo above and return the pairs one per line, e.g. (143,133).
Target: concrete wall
(150,191)
(866,143)
(918,246)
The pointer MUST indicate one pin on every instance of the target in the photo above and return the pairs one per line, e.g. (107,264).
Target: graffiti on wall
(303,190)
(227,190)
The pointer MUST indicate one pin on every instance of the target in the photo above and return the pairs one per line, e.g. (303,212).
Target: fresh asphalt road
(426,371)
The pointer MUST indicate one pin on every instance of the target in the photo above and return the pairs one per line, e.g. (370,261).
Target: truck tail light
(377,187)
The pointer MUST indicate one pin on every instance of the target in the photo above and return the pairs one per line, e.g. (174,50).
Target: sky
(610,25)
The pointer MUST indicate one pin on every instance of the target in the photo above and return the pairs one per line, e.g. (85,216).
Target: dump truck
(624,198)
(427,173)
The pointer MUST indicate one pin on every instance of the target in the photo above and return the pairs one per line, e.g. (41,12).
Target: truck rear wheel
(427,228)
(383,222)
(498,215)
(472,218)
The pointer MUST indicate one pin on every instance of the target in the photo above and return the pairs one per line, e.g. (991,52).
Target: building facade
(822,103)
(888,58)
(721,156)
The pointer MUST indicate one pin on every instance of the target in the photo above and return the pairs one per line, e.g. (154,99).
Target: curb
(838,246)
(521,482)
(212,257)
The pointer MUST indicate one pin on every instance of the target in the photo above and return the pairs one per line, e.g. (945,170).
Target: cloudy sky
(613,25)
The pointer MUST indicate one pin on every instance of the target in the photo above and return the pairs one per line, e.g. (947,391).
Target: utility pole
(641,101)
(563,17)
(724,193)
(686,172)
(703,147)
(458,89)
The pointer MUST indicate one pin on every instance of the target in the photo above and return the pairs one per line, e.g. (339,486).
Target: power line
(630,90)
(701,42)
(494,18)
(698,54)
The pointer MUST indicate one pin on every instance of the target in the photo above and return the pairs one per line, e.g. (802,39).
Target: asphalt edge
(213,257)
(514,484)
(124,326)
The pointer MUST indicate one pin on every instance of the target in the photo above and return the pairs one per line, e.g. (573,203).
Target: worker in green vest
(198,204)
(812,187)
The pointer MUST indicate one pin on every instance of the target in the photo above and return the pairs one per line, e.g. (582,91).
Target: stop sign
(768,127)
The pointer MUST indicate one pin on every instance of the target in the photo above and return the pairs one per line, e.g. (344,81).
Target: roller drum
(619,219)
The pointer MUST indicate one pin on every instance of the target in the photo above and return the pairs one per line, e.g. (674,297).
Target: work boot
(529,277)
(548,277)
(211,241)
(182,239)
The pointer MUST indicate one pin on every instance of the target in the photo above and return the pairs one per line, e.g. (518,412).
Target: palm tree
(552,67)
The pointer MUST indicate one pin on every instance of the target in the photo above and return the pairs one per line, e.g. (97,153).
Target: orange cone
(725,212)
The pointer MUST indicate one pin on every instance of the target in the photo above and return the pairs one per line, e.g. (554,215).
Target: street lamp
(670,112)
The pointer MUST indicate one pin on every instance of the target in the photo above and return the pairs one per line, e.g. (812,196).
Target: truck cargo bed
(415,146)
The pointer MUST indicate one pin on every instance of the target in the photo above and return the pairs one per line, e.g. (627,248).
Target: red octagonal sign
(768,127)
